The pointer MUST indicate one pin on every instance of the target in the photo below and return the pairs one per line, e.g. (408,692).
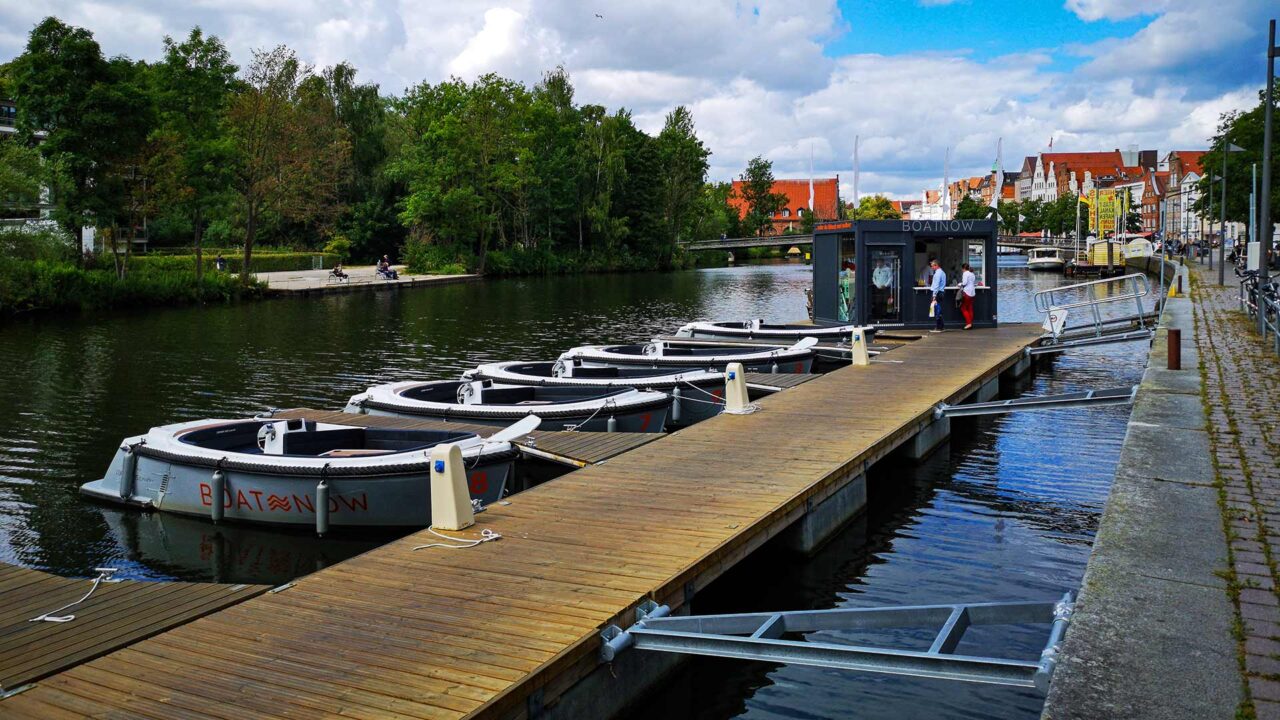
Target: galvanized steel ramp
(576,449)
(500,630)
(116,614)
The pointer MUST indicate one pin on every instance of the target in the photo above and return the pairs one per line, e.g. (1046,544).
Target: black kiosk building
(876,272)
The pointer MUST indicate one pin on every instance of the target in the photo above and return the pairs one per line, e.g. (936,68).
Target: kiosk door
(885,289)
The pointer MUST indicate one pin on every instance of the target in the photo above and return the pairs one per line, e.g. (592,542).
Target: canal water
(1006,512)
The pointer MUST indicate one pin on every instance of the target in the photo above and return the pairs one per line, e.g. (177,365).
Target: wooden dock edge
(535,696)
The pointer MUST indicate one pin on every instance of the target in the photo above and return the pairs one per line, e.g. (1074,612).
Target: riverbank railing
(1056,303)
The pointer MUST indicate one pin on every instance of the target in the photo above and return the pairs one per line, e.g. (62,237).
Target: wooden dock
(115,615)
(503,629)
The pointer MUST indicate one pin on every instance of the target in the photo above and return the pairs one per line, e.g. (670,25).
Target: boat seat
(353,452)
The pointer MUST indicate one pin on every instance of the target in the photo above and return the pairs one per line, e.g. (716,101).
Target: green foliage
(262,262)
(757,193)
(874,207)
(35,243)
(339,246)
(970,209)
(53,285)
(422,253)
(1244,129)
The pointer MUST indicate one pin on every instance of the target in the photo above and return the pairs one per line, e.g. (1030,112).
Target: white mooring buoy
(736,401)
(450,499)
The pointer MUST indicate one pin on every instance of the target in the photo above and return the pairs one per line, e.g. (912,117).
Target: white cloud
(757,75)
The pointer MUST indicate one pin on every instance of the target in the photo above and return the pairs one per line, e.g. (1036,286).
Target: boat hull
(391,500)
(1046,265)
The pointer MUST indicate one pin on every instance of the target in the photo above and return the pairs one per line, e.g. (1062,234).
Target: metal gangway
(1057,303)
(763,637)
(1084,398)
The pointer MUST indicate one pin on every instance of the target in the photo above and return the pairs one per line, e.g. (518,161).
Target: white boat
(485,402)
(758,329)
(298,472)
(696,394)
(1046,258)
(797,358)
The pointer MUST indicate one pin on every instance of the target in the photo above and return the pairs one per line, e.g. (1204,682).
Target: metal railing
(1056,302)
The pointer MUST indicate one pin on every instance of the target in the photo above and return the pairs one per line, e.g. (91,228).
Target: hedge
(266,262)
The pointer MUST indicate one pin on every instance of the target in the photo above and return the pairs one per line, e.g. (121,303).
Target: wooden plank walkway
(577,449)
(436,633)
(776,382)
(115,615)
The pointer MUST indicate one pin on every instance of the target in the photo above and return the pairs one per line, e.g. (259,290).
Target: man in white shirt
(937,287)
(968,289)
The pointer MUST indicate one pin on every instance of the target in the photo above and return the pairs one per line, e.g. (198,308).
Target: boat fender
(612,425)
(218,489)
(322,503)
(129,472)
(675,404)
(774,368)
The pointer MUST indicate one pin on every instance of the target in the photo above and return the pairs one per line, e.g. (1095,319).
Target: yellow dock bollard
(450,499)
(858,347)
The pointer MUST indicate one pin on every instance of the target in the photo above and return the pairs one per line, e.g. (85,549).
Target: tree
(757,192)
(1243,129)
(874,207)
(20,174)
(288,149)
(970,209)
(1010,224)
(192,153)
(54,81)
(683,159)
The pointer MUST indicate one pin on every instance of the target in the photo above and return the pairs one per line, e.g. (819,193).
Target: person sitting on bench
(338,274)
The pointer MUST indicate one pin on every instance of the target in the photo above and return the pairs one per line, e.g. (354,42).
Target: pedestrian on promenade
(968,289)
(220,263)
(938,287)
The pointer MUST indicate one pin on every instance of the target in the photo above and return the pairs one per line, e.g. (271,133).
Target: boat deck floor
(577,449)
(503,629)
(117,614)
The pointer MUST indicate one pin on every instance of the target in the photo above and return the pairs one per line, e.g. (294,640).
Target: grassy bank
(57,285)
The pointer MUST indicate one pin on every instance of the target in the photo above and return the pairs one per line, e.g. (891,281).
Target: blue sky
(983,28)
(785,79)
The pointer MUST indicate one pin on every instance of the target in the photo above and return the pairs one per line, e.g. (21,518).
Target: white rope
(574,428)
(486,535)
(103,574)
(746,410)
(704,392)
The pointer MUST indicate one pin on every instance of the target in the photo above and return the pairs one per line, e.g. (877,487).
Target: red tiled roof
(826,197)
(1190,161)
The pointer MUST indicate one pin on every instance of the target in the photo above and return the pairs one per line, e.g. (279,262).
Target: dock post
(1175,349)
(858,347)
(450,499)
(736,400)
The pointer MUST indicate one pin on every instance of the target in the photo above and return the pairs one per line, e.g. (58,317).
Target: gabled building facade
(788,220)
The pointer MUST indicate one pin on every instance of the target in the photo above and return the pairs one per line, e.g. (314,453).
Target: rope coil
(103,574)
(486,535)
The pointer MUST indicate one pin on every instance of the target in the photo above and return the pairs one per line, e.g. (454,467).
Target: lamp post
(1264,246)
(1227,147)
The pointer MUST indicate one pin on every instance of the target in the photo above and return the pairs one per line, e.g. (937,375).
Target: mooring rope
(486,535)
(103,574)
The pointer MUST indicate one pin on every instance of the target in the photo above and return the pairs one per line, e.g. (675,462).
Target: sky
(790,80)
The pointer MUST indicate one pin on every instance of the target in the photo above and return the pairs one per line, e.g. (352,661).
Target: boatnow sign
(937,225)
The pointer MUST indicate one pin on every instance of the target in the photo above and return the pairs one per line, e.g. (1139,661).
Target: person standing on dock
(968,289)
(938,286)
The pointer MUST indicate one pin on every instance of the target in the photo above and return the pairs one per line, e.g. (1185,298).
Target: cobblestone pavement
(1242,400)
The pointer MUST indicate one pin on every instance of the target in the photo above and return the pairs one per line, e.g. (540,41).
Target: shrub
(36,241)
(52,285)
(422,254)
(262,262)
(339,246)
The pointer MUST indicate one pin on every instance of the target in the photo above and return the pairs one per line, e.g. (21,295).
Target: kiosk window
(848,268)
(948,251)
(977,260)
(886,291)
